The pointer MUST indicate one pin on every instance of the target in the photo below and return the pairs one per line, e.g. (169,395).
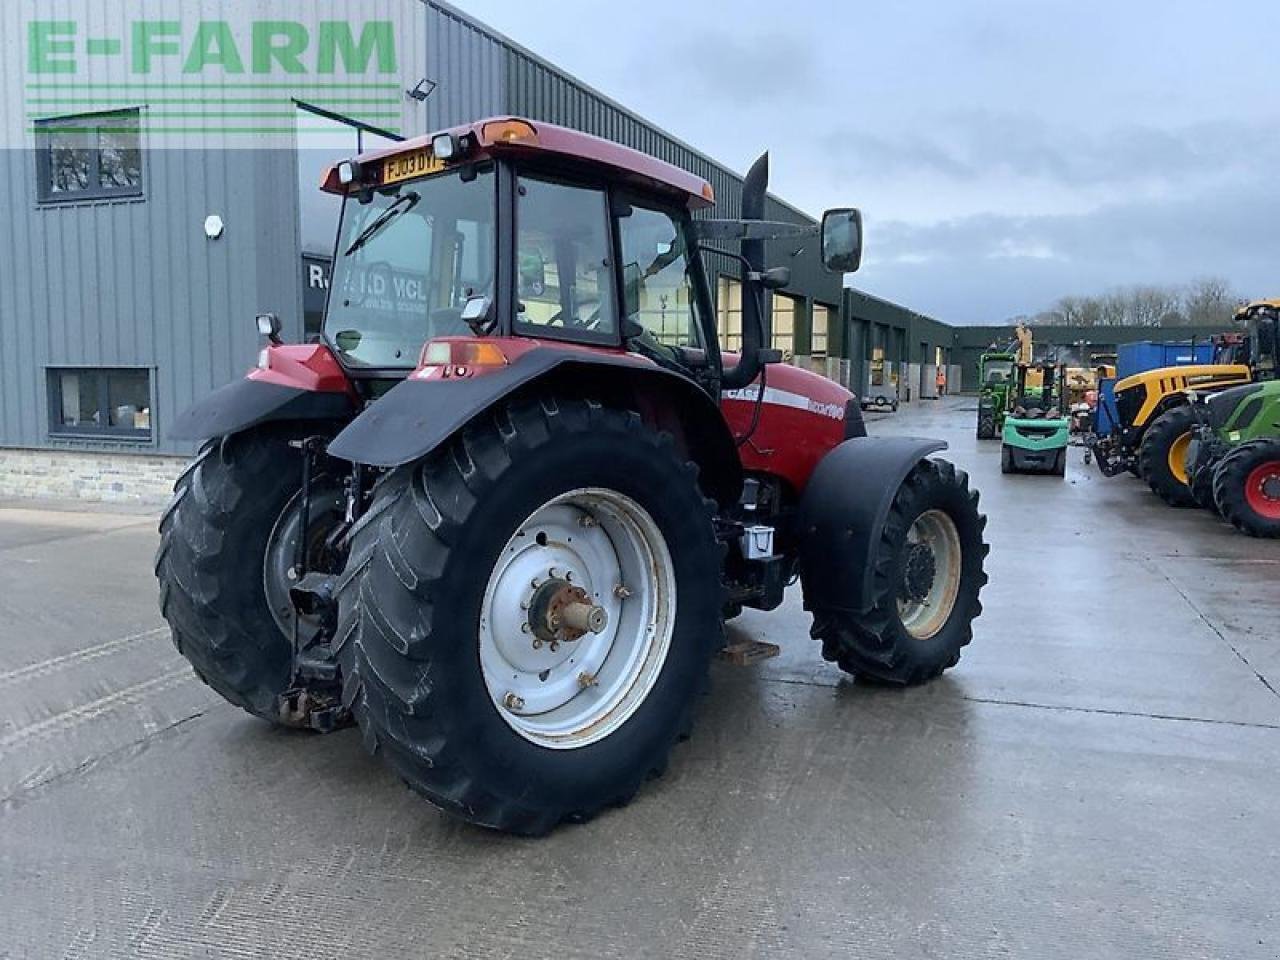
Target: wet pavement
(1097,778)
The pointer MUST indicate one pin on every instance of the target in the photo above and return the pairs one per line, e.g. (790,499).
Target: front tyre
(928,572)
(529,613)
(1246,486)
(1162,456)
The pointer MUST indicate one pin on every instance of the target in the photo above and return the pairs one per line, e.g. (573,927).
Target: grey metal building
(132,270)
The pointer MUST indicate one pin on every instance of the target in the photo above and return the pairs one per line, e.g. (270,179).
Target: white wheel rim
(605,543)
(924,615)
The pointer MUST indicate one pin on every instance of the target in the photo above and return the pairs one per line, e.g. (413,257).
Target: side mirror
(842,240)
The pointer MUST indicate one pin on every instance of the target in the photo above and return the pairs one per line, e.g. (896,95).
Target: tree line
(1208,302)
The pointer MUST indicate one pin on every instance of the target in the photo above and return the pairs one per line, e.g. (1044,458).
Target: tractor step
(748,652)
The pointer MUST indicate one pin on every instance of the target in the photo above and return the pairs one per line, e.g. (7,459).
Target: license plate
(409,165)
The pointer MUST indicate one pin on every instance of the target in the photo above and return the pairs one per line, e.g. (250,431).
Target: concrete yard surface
(1098,777)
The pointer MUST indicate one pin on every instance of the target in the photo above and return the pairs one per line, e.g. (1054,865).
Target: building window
(100,402)
(729,313)
(784,324)
(89,157)
(818,341)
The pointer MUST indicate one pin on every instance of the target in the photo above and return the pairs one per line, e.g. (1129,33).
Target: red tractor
(498,516)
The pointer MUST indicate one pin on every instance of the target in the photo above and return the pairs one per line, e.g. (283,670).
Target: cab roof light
(509,131)
(348,172)
(447,147)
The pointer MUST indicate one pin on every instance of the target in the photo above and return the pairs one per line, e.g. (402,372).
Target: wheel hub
(1271,487)
(560,612)
(920,569)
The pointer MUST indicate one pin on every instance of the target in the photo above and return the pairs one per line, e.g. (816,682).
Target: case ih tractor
(498,515)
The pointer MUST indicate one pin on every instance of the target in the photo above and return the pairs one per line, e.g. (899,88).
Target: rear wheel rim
(1178,458)
(925,607)
(279,562)
(1262,490)
(576,692)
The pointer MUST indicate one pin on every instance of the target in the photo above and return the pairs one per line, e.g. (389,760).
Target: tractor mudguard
(247,403)
(842,513)
(294,382)
(414,417)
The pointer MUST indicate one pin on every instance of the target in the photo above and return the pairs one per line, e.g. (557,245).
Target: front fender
(416,416)
(843,512)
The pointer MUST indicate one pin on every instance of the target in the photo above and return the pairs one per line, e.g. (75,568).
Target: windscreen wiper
(402,204)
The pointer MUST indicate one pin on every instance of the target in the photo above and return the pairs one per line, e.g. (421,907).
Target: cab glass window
(564,281)
(656,285)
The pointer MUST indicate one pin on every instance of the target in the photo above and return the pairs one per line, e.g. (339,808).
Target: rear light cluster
(458,358)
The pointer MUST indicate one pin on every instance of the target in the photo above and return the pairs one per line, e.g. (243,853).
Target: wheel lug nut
(586,520)
(525,628)
(512,702)
(553,573)
(621,592)
(587,680)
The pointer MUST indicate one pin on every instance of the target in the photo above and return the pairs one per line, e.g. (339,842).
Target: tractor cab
(1260,348)
(507,230)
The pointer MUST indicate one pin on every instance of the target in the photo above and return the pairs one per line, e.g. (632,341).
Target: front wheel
(1162,456)
(530,612)
(928,574)
(1246,486)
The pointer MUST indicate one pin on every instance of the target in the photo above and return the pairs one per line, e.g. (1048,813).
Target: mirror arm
(729,230)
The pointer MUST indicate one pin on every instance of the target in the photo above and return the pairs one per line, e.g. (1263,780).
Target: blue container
(1104,416)
(1146,355)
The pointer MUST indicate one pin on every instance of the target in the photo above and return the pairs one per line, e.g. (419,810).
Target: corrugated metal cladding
(137,284)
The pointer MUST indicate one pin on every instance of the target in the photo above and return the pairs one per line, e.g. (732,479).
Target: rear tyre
(1162,456)
(928,572)
(444,611)
(226,543)
(1246,486)
(1006,460)
(986,424)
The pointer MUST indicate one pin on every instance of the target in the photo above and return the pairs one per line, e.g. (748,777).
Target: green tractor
(996,374)
(1233,458)
(1037,430)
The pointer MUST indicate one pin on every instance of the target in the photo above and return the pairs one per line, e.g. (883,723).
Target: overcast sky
(1004,153)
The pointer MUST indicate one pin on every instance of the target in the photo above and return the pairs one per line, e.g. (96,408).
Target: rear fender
(296,383)
(417,416)
(843,513)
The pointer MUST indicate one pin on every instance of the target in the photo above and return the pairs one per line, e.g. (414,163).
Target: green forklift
(1233,458)
(1037,430)
(996,375)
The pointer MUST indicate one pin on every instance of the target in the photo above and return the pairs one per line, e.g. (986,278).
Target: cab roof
(518,137)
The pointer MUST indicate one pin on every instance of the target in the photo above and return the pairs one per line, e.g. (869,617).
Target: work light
(444,146)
